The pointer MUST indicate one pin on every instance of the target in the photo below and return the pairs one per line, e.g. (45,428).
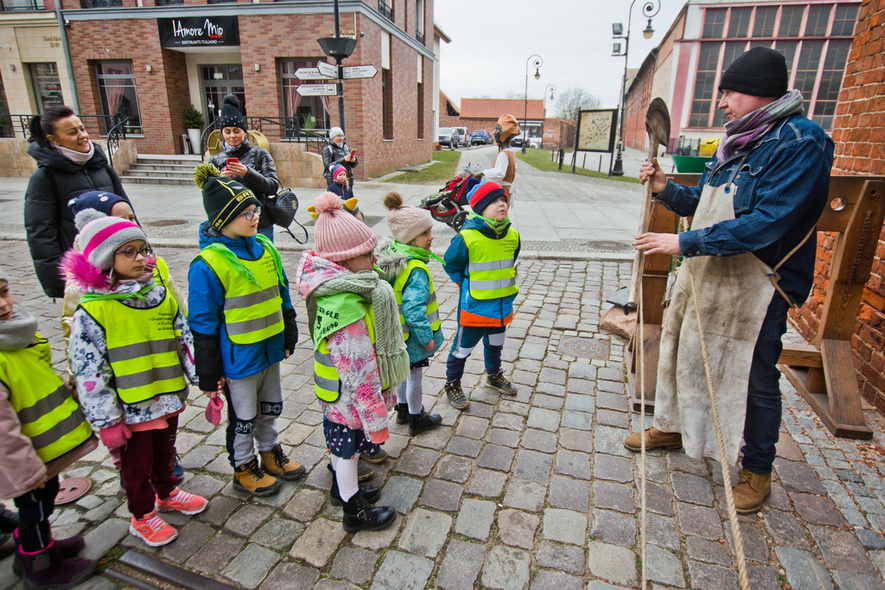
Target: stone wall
(297,167)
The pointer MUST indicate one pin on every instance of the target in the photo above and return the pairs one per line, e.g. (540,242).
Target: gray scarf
(18,331)
(390,349)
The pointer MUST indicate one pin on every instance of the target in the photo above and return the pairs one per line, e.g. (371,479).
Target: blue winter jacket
(215,354)
(494,312)
(415,295)
(781,191)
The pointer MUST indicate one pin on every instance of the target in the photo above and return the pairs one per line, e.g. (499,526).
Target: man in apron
(749,257)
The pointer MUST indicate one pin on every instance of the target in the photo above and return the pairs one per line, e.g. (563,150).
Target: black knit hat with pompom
(230,113)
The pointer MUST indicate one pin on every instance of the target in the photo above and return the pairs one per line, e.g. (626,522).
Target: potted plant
(193,122)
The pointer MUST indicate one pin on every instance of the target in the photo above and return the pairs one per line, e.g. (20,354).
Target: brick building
(859,133)
(483,113)
(707,35)
(151,59)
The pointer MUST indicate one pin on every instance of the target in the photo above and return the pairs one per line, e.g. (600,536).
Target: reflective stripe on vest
(48,414)
(142,347)
(491,266)
(252,313)
(432,306)
(326,381)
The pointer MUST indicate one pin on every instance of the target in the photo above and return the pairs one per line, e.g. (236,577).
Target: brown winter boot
(654,439)
(276,463)
(751,491)
(250,478)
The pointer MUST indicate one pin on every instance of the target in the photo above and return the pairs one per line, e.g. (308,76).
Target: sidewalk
(530,492)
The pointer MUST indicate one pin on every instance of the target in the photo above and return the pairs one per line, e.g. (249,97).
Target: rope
(726,477)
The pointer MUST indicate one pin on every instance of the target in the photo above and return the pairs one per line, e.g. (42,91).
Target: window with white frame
(119,100)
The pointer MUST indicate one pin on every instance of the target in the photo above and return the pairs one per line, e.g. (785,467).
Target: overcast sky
(493,39)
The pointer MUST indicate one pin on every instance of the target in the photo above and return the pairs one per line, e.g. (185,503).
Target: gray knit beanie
(100,236)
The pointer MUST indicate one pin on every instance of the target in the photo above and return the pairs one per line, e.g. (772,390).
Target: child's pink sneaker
(183,502)
(153,530)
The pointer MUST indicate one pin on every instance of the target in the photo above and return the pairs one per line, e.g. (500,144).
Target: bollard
(561,156)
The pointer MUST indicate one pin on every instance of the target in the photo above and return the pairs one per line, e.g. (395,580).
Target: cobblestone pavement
(532,491)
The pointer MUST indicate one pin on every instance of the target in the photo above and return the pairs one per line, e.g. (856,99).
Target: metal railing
(101,3)
(100,125)
(116,133)
(21,5)
(385,9)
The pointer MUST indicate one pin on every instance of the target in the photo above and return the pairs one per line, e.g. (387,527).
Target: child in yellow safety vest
(244,325)
(403,263)
(131,352)
(359,353)
(44,432)
(481,260)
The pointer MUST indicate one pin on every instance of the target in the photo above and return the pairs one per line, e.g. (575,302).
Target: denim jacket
(781,186)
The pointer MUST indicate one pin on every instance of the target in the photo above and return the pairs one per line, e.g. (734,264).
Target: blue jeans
(763,392)
(267,232)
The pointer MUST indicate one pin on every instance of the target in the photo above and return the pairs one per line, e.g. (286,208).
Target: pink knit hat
(406,223)
(338,235)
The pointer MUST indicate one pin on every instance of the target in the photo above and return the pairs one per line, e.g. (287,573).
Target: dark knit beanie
(223,198)
(230,113)
(758,72)
(101,201)
(484,194)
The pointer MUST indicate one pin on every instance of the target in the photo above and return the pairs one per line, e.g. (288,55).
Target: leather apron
(733,295)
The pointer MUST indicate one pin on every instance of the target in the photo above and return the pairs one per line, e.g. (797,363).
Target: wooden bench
(822,371)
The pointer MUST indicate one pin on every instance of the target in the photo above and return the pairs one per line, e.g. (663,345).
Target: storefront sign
(199,31)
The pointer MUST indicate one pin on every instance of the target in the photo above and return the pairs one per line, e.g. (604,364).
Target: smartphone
(352,153)
(232,160)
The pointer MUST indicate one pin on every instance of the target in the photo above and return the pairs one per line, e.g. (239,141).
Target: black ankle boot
(423,421)
(369,493)
(359,515)
(402,413)
(9,519)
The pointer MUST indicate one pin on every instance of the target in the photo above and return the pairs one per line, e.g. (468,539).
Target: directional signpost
(327,69)
(317,90)
(312,74)
(359,72)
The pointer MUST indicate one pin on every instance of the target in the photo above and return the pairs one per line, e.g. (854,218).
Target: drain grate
(608,246)
(584,348)
(165,222)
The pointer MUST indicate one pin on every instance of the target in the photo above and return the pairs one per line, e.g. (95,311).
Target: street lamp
(650,9)
(552,89)
(537,62)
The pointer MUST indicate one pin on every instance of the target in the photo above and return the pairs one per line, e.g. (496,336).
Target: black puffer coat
(49,221)
(262,177)
(334,154)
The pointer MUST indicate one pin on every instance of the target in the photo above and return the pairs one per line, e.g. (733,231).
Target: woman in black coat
(68,164)
(254,168)
(337,153)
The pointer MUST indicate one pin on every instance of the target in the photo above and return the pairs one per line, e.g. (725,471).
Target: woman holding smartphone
(337,153)
(252,166)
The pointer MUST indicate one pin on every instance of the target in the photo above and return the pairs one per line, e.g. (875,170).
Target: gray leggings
(253,405)
(411,391)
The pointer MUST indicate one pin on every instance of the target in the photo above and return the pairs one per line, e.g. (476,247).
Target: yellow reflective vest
(432,306)
(325,376)
(142,345)
(491,266)
(48,414)
(253,311)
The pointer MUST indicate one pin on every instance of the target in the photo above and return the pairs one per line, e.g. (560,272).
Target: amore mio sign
(199,31)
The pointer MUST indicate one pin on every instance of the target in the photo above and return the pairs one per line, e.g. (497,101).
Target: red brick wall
(163,93)
(859,133)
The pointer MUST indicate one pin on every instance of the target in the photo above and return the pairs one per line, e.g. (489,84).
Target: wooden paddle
(657,125)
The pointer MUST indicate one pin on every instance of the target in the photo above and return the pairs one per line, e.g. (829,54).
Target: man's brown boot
(751,491)
(654,439)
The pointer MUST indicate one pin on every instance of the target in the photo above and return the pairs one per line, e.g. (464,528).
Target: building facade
(150,59)
(814,36)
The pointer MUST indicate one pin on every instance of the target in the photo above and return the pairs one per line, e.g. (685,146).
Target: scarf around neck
(390,348)
(755,125)
(18,331)
(414,252)
(499,227)
(73,155)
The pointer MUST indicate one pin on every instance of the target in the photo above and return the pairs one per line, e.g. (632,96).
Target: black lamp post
(650,9)
(338,47)
(538,62)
